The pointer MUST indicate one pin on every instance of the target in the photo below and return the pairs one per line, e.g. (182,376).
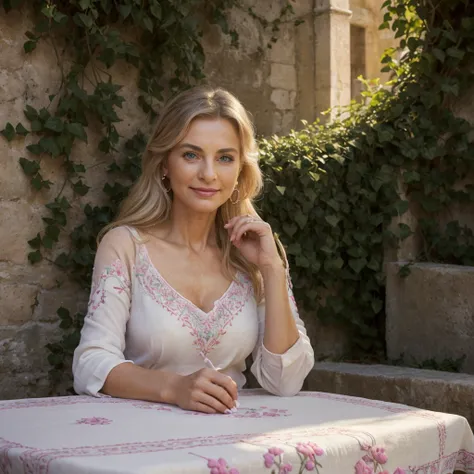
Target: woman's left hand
(254,239)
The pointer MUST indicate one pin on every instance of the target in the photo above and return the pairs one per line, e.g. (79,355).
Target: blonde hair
(148,202)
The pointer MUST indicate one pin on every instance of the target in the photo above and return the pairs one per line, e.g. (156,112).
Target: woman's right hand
(206,390)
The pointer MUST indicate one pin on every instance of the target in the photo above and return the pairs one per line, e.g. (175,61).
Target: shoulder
(120,241)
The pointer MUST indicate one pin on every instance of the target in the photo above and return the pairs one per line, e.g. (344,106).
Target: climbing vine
(332,191)
(162,40)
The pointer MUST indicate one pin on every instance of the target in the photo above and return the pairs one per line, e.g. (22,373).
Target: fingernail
(237,404)
(233,410)
(228,412)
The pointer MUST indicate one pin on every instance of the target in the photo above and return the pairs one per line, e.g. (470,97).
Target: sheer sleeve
(103,335)
(282,374)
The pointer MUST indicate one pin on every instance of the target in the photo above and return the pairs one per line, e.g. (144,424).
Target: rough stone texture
(428,389)
(277,85)
(429,313)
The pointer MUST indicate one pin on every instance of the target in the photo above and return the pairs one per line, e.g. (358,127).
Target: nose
(208,171)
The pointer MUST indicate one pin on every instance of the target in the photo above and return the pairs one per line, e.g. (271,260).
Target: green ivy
(93,35)
(332,191)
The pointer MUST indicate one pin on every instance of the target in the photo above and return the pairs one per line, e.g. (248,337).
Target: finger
(244,221)
(212,402)
(247,227)
(228,384)
(221,394)
(198,406)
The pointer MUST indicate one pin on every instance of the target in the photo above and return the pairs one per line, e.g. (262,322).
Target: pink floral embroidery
(374,459)
(218,466)
(206,330)
(117,271)
(94,421)
(307,453)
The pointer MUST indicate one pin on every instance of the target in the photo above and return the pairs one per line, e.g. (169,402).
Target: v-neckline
(177,293)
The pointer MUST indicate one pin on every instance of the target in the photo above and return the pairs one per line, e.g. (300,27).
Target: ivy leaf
(81,19)
(36,242)
(155,9)
(124,10)
(62,261)
(35,149)
(55,124)
(35,257)
(357,264)
(439,54)
(455,53)
(290,229)
(401,207)
(36,126)
(332,220)
(29,167)
(29,46)
(21,130)
(60,18)
(301,219)
(77,130)
(9,132)
(50,145)
(80,188)
(30,113)
(47,242)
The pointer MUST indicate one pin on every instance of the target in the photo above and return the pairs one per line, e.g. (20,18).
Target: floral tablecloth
(312,432)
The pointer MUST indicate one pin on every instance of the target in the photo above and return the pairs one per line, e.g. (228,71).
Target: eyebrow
(198,148)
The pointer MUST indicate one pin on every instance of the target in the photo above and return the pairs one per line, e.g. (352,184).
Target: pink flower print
(310,465)
(362,468)
(218,466)
(269,460)
(93,421)
(399,470)
(318,451)
(378,454)
(276,451)
(285,468)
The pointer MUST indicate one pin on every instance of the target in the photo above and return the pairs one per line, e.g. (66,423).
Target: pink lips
(205,192)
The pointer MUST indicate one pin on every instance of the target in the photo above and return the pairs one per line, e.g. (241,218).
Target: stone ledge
(428,389)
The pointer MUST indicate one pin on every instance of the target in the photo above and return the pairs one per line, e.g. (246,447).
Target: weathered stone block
(17,303)
(282,76)
(283,100)
(49,301)
(19,222)
(283,51)
(430,313)
(428,389)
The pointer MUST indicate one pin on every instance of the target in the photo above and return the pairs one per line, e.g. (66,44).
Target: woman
(188,275)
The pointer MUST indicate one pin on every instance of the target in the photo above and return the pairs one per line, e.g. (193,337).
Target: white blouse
(135,316)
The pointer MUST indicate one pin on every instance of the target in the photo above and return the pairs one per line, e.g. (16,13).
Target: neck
(193,230)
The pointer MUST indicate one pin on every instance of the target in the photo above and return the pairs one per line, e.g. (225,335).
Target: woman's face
(203,168)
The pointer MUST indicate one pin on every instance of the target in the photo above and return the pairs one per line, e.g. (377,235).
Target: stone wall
(304,73)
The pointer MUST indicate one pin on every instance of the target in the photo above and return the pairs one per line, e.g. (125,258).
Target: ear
(164,168)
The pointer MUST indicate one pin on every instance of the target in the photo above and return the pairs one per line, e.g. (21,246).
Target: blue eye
(190,155)
(227,158)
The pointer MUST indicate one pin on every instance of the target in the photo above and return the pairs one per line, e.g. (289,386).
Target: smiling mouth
(205,191)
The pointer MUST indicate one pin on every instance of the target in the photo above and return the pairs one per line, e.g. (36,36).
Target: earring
(237,199)
(166,189)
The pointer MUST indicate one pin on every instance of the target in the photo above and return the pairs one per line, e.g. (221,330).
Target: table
(312,432)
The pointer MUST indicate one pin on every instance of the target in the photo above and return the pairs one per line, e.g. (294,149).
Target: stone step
(428,389)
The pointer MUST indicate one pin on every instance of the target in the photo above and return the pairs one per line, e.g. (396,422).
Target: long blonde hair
(148,202)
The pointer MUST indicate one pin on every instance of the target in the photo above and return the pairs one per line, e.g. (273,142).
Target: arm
(283,355)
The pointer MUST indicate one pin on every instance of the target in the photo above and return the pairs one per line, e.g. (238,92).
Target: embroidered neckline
(146,256)
(206,328)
